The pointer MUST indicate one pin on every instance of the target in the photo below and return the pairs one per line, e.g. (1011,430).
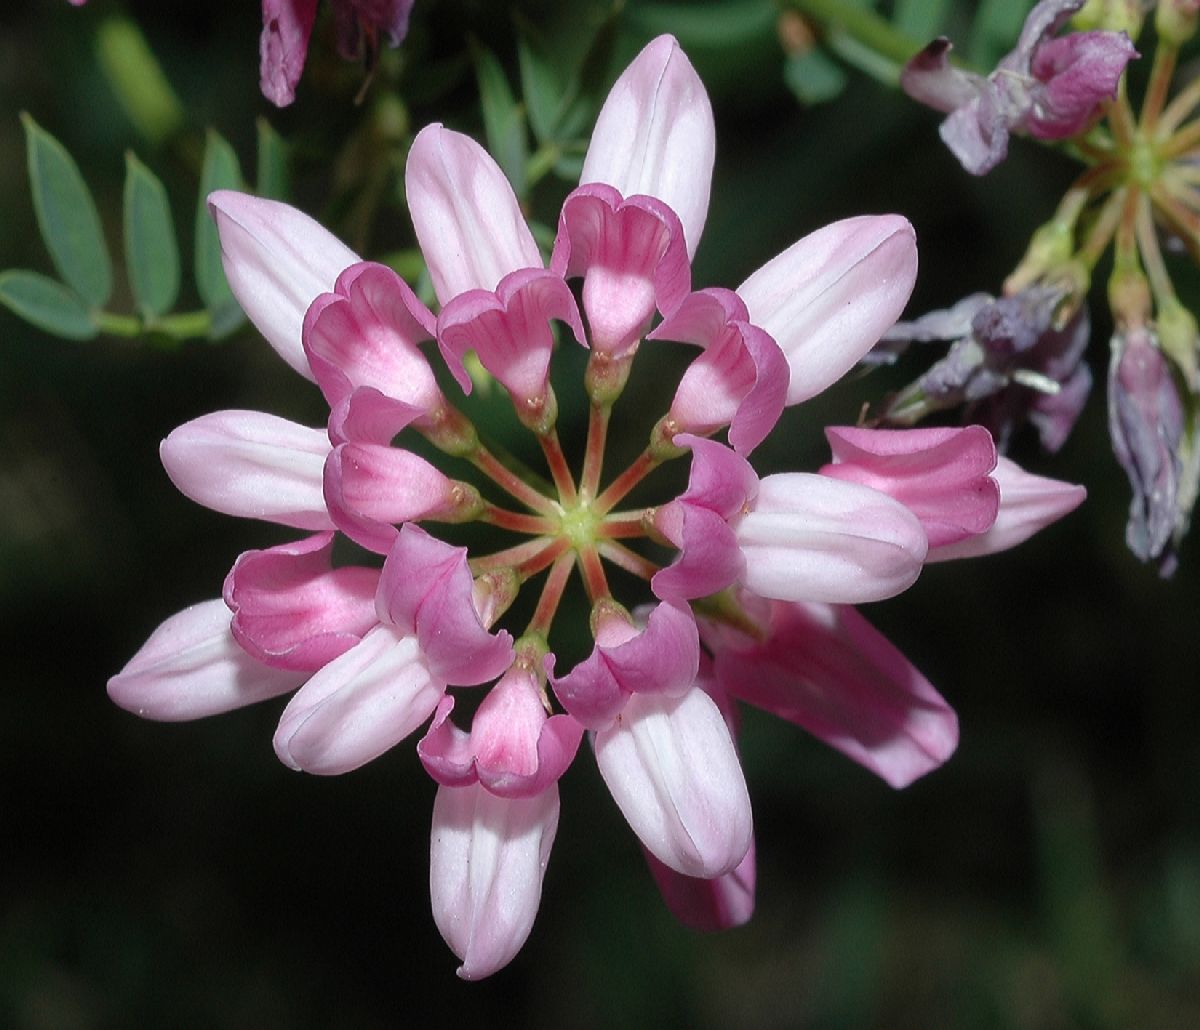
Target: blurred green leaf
(46,303)
(503,118)
(724,24)
(994,31)
(151,253)
(67,216)
(219,172)
(540,86)
(921,19)
(813,76)
(273,179)
(137,79)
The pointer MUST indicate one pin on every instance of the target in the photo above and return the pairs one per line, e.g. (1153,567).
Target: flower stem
(1181,142)
(863,26)
(627,559)
(1152,258)
(642,466)
(1182,105)
(518,522)
(560,472)
(592,570)
(507,480)
(1160,82)
(1102,230)
(532,555)
(593,457)
(624,524)
(552,593)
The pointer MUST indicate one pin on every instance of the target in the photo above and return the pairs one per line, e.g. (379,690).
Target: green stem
(187,325)
(864,27)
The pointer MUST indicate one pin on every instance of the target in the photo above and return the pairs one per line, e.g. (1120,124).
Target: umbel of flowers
(751,603)
(1021,357)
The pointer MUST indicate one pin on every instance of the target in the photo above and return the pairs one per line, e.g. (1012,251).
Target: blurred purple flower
(1145,421)
(1048,87)
(1008,364)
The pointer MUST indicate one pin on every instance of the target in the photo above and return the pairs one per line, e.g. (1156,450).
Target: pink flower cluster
(753,605)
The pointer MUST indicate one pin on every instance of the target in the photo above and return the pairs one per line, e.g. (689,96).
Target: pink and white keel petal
(940,474)
(829,297)
(191,667)
(487,860)
(824,667)
(466,216)
(277,261)
(671,767)
(293,610)
(633,259)
(1028,503)
(811,538)
(655,136)
(251,464)
(358,705)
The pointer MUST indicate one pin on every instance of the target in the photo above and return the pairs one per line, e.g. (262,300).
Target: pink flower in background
(403,632)
(288,24)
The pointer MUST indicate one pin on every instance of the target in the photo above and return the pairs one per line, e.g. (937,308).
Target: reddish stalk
(593,458)
(520,556)
(624,524)
(518,521)
(642,466)
(627,559)
(552,593)
(559,470)
(1156,89)
(592,570)
(511,483)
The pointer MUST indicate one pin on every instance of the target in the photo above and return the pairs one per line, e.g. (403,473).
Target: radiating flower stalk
(748,581)
(1020,357)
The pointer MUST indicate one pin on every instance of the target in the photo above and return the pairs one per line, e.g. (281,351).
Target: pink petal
(661,659)
(251,464)
(278,261)
(513,748)
(192,667)
(721,903)
(740,380)
(509,330)
(828,298)
(487,860)
(358,705)
(366,333)
(292,610)
(467,219)
(824,667)
(368,487)
(632,256)
(287,24)
(811,538)
(655,136)
(939,474)
(709,557)
(670,765)
(426,589)
(1028,503)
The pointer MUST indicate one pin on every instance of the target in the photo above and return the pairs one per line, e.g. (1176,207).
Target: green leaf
(137,79)
(219,172)
(67,216)
(813,77)
(273,175)
(503,118)
(46,303)
(722,24)
(540,87)
(920,19)
(151,253)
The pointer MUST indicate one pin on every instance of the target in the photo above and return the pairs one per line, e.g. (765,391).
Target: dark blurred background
(154,875)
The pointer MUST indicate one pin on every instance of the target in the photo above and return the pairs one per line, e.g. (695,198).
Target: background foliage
(1048,876)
